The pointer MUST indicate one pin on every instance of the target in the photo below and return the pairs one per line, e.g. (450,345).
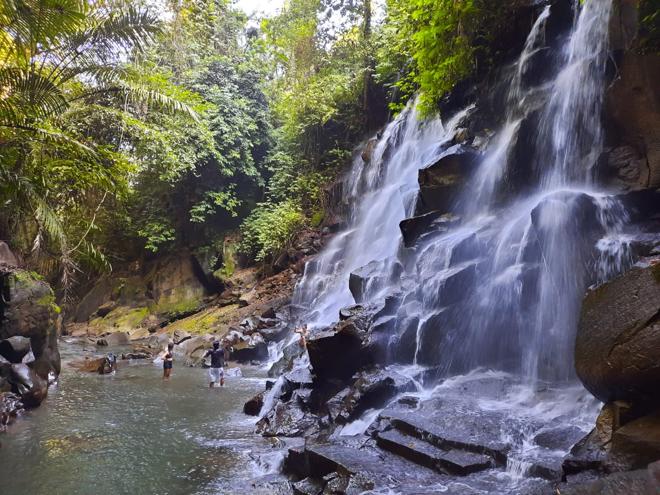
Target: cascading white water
(503,287)
(380,194)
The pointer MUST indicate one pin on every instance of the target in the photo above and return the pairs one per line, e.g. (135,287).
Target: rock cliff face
(29,357)
(632,160)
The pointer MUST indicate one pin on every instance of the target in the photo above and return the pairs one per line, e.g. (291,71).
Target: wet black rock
(308,486)
(371,277)
(415,227)
(287,420)
(441,182)
(297,378)
(32,388)
(337,352)
(448,460)
(253,406)
(477,432)
(559,438)
(289,355)
(370,390)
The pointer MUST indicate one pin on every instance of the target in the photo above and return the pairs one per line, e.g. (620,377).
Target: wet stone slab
(450,461)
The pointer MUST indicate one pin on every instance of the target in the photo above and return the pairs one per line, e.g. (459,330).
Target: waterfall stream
(501,286)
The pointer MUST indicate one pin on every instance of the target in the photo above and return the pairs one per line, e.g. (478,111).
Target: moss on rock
(212,320)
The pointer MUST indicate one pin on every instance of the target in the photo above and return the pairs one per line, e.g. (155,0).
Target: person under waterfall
(217,370)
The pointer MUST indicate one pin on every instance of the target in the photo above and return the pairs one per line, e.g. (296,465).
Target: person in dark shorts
(217,369)
(168,359)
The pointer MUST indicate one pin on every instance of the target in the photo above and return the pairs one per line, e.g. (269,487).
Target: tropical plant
(56,56)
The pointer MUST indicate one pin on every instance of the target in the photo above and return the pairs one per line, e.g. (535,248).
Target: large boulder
(337,353)
(176,285)
(617,347)
(28,310)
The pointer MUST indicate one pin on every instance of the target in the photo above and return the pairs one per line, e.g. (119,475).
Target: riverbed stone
(253,406)
(617,348)
(10,407)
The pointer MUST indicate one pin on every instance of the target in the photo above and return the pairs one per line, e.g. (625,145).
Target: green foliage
(649,13)
(430,45)
(62,59)
(269,230)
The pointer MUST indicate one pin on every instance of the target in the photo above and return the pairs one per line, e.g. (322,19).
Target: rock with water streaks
(441,182)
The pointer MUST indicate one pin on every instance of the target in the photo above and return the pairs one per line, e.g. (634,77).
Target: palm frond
(38,22)
(28,96)
(141,94)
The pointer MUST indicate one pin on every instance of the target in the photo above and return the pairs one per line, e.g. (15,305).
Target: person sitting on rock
(217,369)
(168,360)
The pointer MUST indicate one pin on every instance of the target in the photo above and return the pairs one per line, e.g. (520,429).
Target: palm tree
(54,54)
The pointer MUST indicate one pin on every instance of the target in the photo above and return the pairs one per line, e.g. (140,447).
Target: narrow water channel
(133,433)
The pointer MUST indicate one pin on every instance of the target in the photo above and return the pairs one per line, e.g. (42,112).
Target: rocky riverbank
(29,357)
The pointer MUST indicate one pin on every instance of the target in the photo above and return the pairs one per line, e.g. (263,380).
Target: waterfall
(501,284)
(380,194)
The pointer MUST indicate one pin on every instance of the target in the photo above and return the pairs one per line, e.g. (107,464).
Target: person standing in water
(303,336)
(217,369)
(168,360)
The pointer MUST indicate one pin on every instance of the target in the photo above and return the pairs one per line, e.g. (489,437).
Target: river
(133,433)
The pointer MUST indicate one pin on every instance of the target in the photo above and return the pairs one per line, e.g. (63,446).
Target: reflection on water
(133,433)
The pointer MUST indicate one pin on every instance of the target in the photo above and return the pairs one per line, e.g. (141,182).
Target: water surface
(133,433)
